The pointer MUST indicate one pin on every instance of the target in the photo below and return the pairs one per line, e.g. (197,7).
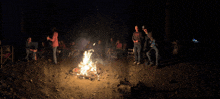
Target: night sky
(102,19)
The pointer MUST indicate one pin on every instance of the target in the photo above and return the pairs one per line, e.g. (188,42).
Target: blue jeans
(148,54)
(137,52)
(54,55)
(28,52)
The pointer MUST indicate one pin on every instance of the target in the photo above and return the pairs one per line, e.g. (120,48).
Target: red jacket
(119,46)
(54,39)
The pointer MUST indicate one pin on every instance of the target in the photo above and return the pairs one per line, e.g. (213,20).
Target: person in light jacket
(152,47)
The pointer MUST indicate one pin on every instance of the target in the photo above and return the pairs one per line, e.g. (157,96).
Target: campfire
(86,68)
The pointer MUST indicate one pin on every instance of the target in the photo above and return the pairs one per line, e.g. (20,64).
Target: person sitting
(110,47)
(88,46)
(118,45)
(72,48)
(119,50)
(63,49)
(98,49)
(31,47)
(42,50)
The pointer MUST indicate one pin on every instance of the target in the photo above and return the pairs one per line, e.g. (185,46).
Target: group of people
(32,47)
(102,50)
(105,49)
(149,46)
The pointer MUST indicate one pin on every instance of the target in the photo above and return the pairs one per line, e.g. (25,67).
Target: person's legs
(148,55)
(33,57)
(27,52)
(54,55)
(156,53)
(135,53)
(139,53)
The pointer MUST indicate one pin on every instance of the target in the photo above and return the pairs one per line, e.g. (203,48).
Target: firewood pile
(91,75)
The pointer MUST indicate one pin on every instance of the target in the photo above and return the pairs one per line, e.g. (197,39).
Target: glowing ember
(87,66)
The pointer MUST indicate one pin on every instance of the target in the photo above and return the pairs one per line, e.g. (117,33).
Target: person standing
(54,40)
(146,40)
(153,47)
(137,38)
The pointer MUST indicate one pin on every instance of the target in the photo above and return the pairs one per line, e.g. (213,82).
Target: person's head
(145,30)
(73,43)
(136,28)
(29,39)
(111,39)
(55,34)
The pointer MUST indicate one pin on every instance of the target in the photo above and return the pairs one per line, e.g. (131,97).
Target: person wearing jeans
(153,47)
(54,45)
(54,54)
(137,53)
(137,38)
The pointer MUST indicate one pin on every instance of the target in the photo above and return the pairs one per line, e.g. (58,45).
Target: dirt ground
(119,79)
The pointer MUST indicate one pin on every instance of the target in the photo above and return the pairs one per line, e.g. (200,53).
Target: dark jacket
(137,36)
(32,45)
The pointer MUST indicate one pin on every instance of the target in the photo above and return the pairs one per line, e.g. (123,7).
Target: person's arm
(53,38)
(133,39)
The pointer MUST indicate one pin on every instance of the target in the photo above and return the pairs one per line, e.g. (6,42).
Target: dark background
(100,19)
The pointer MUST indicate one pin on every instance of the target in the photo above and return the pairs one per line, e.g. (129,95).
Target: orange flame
(87,65)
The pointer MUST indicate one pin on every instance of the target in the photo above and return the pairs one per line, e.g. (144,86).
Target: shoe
(135,62)
(138,63)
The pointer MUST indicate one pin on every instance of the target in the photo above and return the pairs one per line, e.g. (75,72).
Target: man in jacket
(137,38)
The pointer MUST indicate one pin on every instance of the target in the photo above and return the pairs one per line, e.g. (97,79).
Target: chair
(7,53)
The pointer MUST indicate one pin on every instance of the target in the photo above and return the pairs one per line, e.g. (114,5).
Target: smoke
(99,27)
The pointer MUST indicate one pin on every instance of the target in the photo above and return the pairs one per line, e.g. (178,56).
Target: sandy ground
(119,79)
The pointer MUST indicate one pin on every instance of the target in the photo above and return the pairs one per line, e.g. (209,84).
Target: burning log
(87,68)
